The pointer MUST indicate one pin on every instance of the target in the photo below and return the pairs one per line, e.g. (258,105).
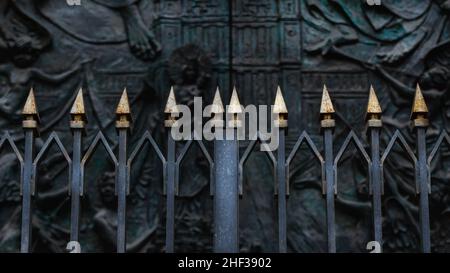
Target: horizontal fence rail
(227,166)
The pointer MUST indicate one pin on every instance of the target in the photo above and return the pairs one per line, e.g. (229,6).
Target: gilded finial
(171,105)
(217,105)
(123,108)
(326,106)
(78,105)
(373,107)
(30,112)
(171,109)
(419,106)
(280,109)
(78,112)
(123,111)
(419,110)
(279,106)
(373,115)
(326,110)
(30,104)
(234,108)
(217,109)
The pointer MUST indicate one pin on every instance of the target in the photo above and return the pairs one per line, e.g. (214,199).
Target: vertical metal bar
(122,191)
(424,213)
(226,196)
(170,195)
(281,177)
(374,123)
(376,184)
(123,121)
(75,187)
(420,122)
(27,192)
(330,188)
(172,113)
(77,124)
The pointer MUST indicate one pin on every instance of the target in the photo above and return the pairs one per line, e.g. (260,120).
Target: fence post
(29,124)
(327,125)
(172,112)
(226,197)
(77,124)
(374,124)
(281,123)
(124,119)
(420,123)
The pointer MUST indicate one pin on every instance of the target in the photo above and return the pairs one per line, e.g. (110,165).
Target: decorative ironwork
(226,170)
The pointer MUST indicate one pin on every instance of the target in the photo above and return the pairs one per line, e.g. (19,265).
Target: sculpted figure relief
(141,39)
(115,21)
(384,34)
(22,40)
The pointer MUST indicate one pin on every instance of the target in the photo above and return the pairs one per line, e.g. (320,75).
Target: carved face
(189,65)
(435,78)
(107,188)
(24,55)
(190,72)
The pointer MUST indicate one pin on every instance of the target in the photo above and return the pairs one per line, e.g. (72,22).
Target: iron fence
(226,168)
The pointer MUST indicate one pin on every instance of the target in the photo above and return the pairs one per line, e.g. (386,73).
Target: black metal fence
(226,168)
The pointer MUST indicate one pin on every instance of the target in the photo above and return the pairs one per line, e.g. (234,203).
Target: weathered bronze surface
(148,46)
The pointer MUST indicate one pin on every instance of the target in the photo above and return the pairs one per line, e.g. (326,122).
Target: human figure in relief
(141,39)
(393,30)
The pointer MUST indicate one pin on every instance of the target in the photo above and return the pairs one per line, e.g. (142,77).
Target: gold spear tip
(30,108)
(419,105)
(123,108)
(171,105)
(326,106)
(78,105)
(217,105)
(373,106)
(30,113)
(235,106)
(280,109)
(279,106)
(123,112)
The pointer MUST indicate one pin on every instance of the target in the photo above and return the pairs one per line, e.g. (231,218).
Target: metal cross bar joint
(243,159)
(305,138)
(181,158)
(99,139)
(53,138)
(351,137)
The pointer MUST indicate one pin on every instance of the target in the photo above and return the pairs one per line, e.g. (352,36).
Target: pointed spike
(30,105)
(217,105)
(419,105)
(171,106)
(123,112)
(279,106)
(78,105)
(235,106)
(326,106)
(123,108)
(373,106)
